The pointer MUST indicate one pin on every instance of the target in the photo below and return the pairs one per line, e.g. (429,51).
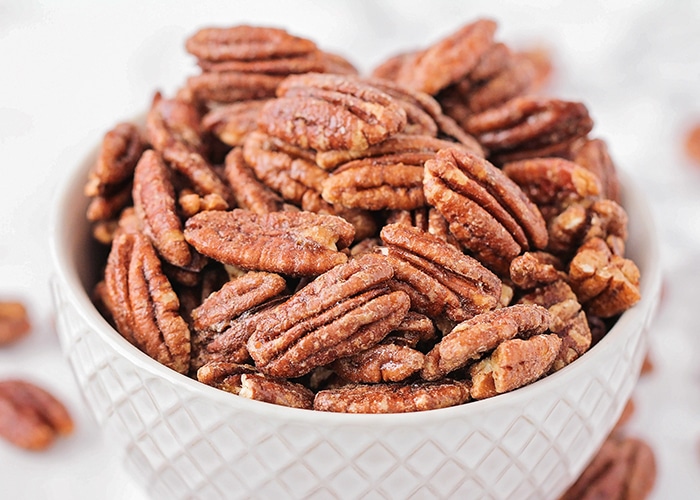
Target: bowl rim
(66,277)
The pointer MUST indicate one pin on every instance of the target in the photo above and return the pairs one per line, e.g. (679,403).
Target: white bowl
(183,439)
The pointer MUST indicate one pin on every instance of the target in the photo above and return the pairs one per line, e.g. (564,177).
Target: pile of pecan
(290,231)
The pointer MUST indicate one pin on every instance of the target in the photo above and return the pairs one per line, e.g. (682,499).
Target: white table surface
(71,69)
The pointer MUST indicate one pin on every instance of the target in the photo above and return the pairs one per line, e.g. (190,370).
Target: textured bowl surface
(182,439)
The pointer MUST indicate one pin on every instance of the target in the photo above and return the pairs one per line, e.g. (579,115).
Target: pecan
(692,143)
(363,221)
(233,86)
(484,332)
(514,363)
(30,417)
(568,321)
(529,127)
(231,123)
(246,382)
(593,155)
(437,276)
(171,121)
(389,68)
(340,313)
(623,468)
(191,203)
(448,60)
(14,322)
(387,361)
(248,192)
(120,151)
(322,112)
(291,243)
(392,398)
(532,269)
(200,174)
(143,304)
(107,206)
(413,329)
(427,219)
(488,213)
(606,284)
(305,63)
(154,202)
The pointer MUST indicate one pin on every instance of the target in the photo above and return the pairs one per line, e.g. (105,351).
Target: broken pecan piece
(30,417)
(388,361)
(143,304)
(532,269)
(14,322)
(472,338)
(340,313)
(392,398)
(488,213)
(291,243)
(322,112)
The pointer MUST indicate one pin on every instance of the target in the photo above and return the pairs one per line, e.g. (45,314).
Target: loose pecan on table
(14,322)
(30,417)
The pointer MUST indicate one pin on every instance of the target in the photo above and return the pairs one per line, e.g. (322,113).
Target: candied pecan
(248,192)
(200,174)
(692,143)
(606,284)
(322,112)
(310,62)
(540,56)
(14,322)
(154,202)
(413,329)
(336,64)
(514,363)
(387,361)
(224,375)
(593,155)
(389,68)
(528,127)
(623,468)
(484,332)
(231,123)
(392,398)
(171,121)
(191,203)
(30,417)
(426,219)
(448,60)
(488,213)
(246,43)
(107,206)
(292,243)
(437,276)
(340,313)
(532,269)
(233,86)
(120,150)
(568,321)
(143,304)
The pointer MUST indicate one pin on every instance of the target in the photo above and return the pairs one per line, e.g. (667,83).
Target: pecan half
(532,269)
(248,192)
(623,468)
(514,363)
(291,243)
(143,304)
(488,213)
(233,86)
(340,313)
(392,398)
(14,322)
(322,112)
(200,174)
(593,155)
(231,123)
(387,361)
(30,417)
(472,338)
(171,121)
(437,276)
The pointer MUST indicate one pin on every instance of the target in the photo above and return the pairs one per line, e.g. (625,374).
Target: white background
(70,70)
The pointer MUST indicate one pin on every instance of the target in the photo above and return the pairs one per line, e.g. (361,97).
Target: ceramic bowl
(183,439)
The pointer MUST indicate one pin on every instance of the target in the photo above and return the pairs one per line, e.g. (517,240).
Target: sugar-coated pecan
(568,321)
(427,219)
(246,43)
(190,203)
(624,468)
(488,213)
(231,123)
(233,86)
(448,60)
(322,112)
(173,120)
(143,304)
(31,417)
(392,398)
(342,312)
(593,155)
(514,363)
(120,151)
(291,243)
(532,269)
(415,328)
(363,221)
(692,143)
(472,338)
(387,361)
(438,277)
(106,206)
(304,63)
(528,127)
(389,68)
(154,202)
(200,174)
(224,375)
(14,322)
(606,284)
(248,192)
